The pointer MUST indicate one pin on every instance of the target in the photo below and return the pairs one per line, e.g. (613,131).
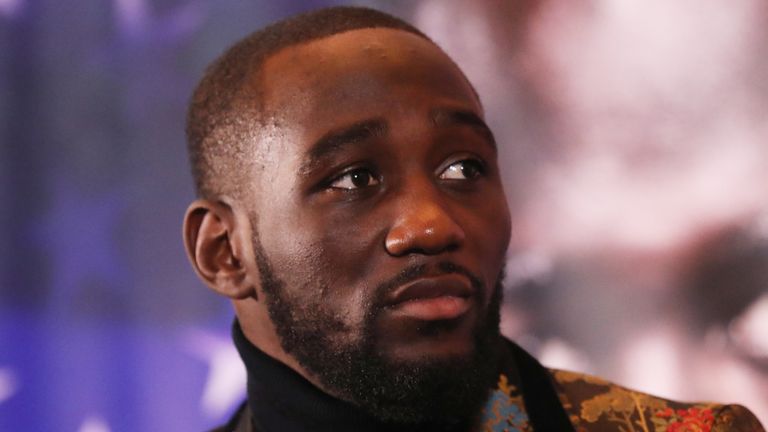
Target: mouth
(442,297)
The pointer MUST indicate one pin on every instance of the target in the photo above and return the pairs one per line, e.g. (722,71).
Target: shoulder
(593,403)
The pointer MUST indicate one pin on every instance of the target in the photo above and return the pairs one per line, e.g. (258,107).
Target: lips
(433,298)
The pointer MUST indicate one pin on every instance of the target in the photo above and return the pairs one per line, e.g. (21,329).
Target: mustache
(417,271)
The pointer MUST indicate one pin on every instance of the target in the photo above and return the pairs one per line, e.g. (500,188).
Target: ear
(217,240)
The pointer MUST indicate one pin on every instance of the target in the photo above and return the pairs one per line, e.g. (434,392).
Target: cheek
(502,221)
(324,261)
(350,246)
(488,229)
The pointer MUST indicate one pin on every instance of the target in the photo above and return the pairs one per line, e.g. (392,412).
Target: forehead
(359,73)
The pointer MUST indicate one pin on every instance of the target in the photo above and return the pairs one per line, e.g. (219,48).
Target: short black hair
(217,136)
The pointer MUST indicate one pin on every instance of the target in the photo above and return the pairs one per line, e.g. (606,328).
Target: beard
(446,392)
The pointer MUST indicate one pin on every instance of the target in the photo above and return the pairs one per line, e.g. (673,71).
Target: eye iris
(470,169)
(360,178)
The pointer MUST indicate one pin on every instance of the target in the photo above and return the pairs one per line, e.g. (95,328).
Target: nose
(424,225)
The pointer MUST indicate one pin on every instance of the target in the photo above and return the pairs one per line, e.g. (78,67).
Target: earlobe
(217,245)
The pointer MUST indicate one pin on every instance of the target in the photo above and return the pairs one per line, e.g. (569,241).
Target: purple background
(104,327)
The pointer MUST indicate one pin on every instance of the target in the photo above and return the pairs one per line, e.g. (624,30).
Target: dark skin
(375,159)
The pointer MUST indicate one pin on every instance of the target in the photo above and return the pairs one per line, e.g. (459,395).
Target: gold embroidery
(622,406)
(598,404)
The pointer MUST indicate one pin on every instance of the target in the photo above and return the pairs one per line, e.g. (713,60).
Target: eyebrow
(345,136)
(458,117)
(364,130)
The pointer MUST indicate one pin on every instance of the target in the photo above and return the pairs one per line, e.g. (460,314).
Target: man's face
(380,222)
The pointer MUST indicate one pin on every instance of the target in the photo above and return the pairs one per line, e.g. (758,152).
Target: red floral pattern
(692,420)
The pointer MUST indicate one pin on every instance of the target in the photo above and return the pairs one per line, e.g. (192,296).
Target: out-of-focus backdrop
(634,142)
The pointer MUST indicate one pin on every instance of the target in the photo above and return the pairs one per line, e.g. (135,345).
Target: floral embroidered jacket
(550,399)
(593,404)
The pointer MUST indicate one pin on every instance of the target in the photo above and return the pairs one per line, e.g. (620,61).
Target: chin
(439,382)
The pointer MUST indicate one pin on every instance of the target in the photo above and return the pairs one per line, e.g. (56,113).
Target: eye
(467,169)
(355,179)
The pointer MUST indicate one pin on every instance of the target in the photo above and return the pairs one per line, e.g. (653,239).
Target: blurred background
(634,141)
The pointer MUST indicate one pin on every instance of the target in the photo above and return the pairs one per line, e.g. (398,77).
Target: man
(350,205)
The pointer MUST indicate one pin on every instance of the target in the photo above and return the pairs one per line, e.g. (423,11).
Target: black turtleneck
(281,400)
